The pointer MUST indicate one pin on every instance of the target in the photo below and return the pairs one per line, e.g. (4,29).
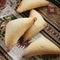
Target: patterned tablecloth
(16,53)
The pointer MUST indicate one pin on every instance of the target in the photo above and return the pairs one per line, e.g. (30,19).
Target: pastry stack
(28,28)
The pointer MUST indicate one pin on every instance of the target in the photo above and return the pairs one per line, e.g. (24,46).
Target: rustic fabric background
(51,31)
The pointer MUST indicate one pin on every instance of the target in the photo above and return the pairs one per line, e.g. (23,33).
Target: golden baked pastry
(15,29)
(30,4)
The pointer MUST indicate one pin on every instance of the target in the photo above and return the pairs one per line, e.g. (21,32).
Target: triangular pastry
(30,4)
(41,46)
(39,25)
(15,29)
